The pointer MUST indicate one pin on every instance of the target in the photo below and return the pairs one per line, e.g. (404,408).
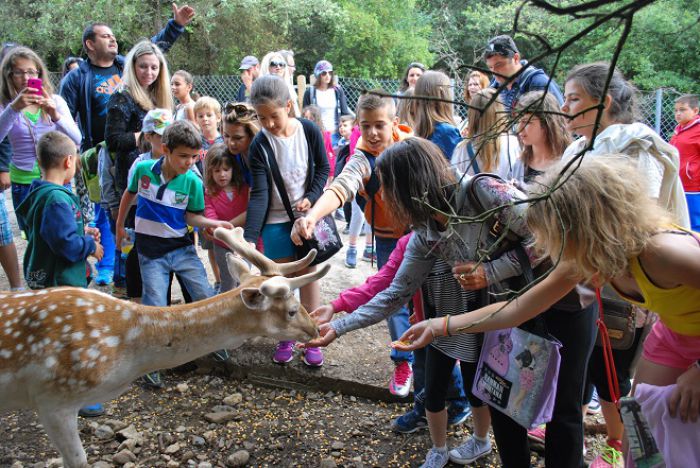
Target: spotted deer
(63,348)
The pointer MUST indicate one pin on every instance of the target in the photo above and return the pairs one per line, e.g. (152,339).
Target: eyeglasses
(278,64)
(238,110)
(21,73)
(324,73)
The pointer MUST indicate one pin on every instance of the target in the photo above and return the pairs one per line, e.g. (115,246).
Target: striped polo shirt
(161,207)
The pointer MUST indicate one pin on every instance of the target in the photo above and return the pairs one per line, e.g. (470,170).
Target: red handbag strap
(610,372)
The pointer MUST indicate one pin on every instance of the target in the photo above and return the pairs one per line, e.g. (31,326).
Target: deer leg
(61,425)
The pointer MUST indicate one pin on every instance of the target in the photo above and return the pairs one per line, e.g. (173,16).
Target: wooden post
(301,89)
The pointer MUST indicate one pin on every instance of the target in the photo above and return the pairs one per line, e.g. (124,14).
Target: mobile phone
(35,83)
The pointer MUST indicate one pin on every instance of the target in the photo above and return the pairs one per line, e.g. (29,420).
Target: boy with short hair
(57,243)
(207,114)
(686,138)
(57,246)
(344,129)
(380,128)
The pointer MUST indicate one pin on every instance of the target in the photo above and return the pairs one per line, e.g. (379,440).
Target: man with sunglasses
(250,70)
(502,57)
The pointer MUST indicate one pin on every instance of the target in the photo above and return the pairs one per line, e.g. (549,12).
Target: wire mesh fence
(655,107)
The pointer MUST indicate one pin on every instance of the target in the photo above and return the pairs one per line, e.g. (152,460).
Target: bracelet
(447,325)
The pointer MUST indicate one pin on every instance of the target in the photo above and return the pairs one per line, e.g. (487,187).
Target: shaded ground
(279,415)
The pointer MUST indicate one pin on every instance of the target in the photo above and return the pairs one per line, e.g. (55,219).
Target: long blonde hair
(487,122)
(158,95)
(7,88)
(600,217)
(427,113)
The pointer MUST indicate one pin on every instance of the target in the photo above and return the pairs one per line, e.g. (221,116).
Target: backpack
(89,170)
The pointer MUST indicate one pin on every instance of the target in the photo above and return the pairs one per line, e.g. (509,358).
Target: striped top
(161,207)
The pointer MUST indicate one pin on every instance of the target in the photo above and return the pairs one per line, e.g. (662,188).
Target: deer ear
(252,298)
(237,267)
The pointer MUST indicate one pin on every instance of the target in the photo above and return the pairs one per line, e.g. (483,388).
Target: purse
(517,375)
(619,318)
(326,240)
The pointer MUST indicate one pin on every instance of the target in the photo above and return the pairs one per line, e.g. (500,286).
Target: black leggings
(438,369)
(564,440)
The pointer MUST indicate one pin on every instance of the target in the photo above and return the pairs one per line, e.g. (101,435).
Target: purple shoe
(284,352)
(313,357)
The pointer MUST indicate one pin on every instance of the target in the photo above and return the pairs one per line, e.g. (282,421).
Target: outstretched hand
(418,336)
(323,314)
(328,335)
(303,229)
(183,15)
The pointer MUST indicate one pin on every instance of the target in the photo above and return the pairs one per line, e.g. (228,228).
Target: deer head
(272,294)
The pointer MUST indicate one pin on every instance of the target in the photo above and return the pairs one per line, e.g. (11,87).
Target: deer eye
(292,312)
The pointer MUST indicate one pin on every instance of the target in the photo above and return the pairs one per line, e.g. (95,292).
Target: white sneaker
(401,379)
(435,459)
(470,451)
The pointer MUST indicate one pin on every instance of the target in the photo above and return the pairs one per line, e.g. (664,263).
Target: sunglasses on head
(238,109)
(278,64)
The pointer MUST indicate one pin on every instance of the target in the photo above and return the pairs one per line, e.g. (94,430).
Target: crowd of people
(403,169)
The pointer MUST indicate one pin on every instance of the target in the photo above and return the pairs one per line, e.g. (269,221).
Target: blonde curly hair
(599,213)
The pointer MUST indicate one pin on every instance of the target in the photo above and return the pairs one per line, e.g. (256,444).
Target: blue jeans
(106,238)
(19,193)
(398,322)
(119,263)
(693,199)
(184,262)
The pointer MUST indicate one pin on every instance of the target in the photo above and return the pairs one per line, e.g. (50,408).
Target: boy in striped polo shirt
(169,197)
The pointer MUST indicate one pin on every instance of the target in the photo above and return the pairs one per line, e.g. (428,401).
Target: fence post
(658,110)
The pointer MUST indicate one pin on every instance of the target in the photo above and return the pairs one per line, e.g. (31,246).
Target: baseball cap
(156,121)
(501,45)
(321,66)
(248,61)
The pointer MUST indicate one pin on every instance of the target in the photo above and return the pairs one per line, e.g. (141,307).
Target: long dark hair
(414,174)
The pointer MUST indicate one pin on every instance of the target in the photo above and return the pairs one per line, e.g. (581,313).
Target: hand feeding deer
(62,348)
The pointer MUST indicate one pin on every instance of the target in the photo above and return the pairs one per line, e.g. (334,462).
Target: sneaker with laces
(313,357)
(369,255)
(436,459)
(410,422)
(457,414)
(104,277)
(594,404)
(221,355)
(351,257)
(284,352)
(470,451)
(401,379)
(152,380)
(610,457)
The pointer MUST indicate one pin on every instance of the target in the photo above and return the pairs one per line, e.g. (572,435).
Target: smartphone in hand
(35,83)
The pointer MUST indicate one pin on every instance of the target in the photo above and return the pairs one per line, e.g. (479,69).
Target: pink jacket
(350,299)
(220,207)
(329,151)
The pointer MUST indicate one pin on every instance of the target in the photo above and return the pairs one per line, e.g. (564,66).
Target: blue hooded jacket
(531,79)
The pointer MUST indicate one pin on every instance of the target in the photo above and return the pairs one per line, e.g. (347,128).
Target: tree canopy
(371,38)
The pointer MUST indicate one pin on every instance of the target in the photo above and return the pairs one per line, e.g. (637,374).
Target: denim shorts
(5,226)
(277,242)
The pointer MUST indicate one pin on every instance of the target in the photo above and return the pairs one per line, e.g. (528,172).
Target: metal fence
(656,107)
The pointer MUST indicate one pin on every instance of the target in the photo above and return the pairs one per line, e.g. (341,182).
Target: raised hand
(26,97)
(183,15)
(48,105)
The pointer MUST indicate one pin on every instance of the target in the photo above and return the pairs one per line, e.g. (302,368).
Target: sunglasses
(238,109)
(324,73)
(278,64)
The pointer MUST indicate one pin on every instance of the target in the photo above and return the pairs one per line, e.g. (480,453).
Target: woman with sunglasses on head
(408,84)
(275,63)
(329,97)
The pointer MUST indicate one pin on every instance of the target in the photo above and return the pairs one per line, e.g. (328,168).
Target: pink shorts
(665,347)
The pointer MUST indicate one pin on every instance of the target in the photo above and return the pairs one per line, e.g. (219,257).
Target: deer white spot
(43,291)
(50,362)
(66,329)
(6,353)
(30,339)
(8,330)
(77,336)
(80,302)
(16,334)
(57,319)
(75,355)
(19,347)
(52,307)
(100,308)
(43,314)
(93,353)
(133,333)
(111,341)
(126,315)
(95,334)
(10,311)
(26,294)
(103,359)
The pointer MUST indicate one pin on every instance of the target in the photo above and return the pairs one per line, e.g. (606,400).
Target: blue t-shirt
(104,83)
(447,137)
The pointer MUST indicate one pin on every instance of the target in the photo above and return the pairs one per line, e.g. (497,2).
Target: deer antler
(234,238)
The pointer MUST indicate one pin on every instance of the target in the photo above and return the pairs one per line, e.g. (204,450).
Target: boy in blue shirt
(169,197)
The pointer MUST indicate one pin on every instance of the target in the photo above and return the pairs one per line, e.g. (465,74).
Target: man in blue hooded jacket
(502,57)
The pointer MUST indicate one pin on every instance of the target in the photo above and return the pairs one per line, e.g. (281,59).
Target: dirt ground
(206,417)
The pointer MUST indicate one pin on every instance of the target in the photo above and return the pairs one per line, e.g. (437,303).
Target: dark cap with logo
(501,45)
